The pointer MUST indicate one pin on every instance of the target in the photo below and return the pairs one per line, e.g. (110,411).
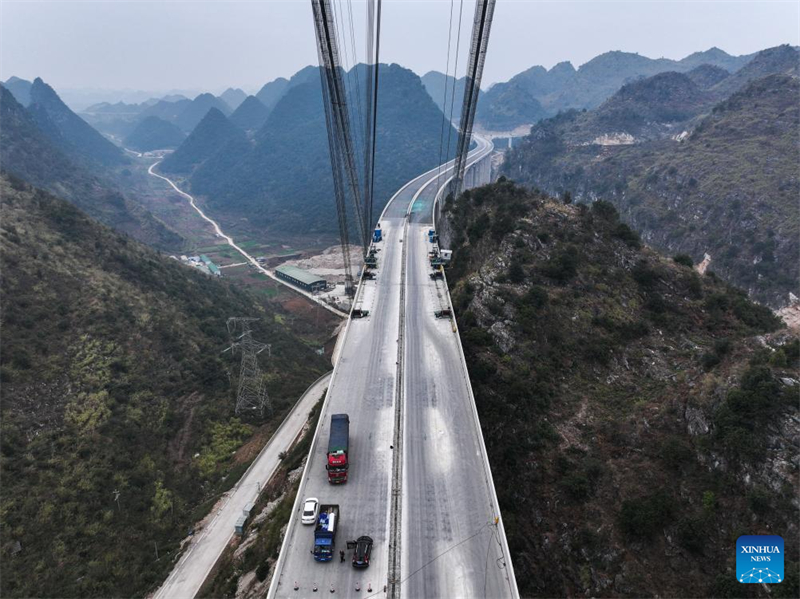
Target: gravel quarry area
(330,263)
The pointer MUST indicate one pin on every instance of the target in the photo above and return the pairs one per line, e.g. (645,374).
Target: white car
(310,510)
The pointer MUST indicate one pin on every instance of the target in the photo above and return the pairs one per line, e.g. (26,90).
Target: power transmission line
(252,393)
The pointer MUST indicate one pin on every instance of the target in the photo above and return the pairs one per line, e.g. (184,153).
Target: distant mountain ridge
(250,115)
(696,175)
(208,138)
(446,91)
(783,59)
(67,130)
(284,179)
(197,109)
(271,93)
(233,97)
(648,108)
(21,89)
(539,93)
(27,152)
(154,133)
(707,75)
(121,119)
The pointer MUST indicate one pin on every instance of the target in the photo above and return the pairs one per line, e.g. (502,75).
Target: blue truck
(325,532)
(377,235)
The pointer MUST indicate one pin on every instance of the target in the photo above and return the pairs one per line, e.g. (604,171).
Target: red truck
(338,444)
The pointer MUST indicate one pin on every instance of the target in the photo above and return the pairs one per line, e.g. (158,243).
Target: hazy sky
(211,45)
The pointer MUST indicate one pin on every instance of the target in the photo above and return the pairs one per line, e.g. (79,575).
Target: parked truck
(325,532)
(338,445)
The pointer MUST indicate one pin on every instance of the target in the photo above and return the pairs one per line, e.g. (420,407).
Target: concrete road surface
(192,569)
(451,545)
(445,549)
(363,386)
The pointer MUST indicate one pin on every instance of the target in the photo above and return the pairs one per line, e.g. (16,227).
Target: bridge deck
(446,493)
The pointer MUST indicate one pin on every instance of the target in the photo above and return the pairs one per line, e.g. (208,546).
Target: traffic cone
(358,586)
(332,591)
(369,587)
(314,588)
(296,586)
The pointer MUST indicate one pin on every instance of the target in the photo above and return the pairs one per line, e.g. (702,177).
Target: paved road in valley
(220,233)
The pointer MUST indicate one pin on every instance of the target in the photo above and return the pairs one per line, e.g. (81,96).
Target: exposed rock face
(704,176)
(639,407)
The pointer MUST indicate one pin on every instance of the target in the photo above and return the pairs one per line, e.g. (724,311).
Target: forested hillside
(538,92)
(646,414)
(250,115)
(30,154)
(729,188)
(284,182)
(118,430)
(68,131)
(206,141)
(154,133)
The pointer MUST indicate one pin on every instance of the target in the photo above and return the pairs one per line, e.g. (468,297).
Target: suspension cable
(455,76)
(444,99)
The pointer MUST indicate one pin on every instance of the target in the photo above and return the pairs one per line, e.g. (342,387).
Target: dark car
(362,552)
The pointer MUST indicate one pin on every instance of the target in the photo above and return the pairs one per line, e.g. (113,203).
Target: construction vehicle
(338,444)
(443,313)
(325,532)
(437,273)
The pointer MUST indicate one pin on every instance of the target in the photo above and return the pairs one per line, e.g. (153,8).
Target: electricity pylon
(252,393)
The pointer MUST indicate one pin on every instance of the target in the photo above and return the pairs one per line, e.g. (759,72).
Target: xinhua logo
(759,558)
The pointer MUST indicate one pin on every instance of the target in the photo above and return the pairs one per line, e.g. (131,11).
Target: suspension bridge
(419,482)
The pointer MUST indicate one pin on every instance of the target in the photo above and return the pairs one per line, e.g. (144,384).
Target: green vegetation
(598,399)
(68,131)
(153,133)
(684,260)
(537,92)
(263,552)
(643,517)
(728,189)
(742,418)
(214,134)
(113,379)
(27,152)
(294,193)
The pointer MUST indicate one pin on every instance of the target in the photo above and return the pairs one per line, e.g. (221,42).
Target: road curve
(248,257)
(453,541)
(365,386)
